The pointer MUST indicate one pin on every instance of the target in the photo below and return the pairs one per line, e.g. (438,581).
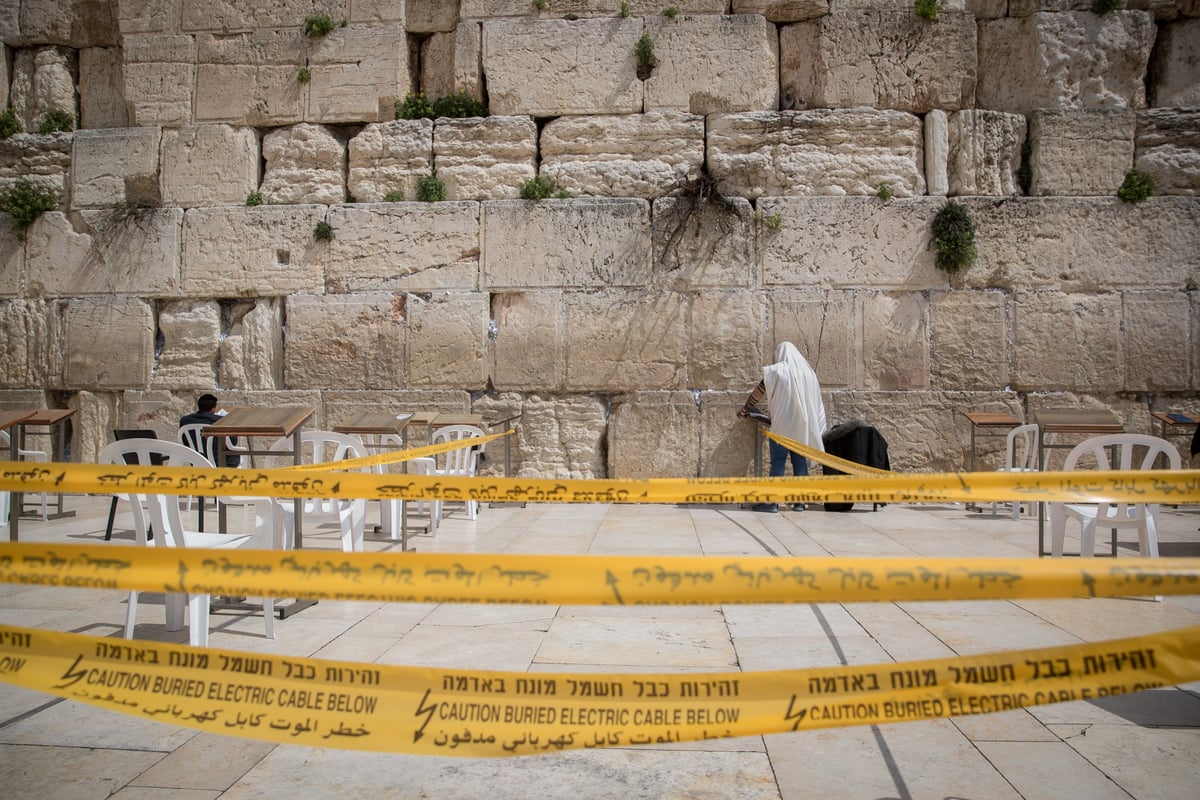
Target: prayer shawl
(794,398)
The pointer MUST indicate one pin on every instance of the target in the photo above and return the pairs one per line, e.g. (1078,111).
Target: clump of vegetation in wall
(254,199)
(1102,7)
(646,60)
(414,106)
(670,11)
(624,12)
(539,188)
(304,75)
(317,25)
(954,238)
(55,120)
(396,196)
(323,232)
(927,9)
(459,105)
(430,188)
(772,222)
(884,192)
(9,124)
(1136,187)
(540,5)
(25,202)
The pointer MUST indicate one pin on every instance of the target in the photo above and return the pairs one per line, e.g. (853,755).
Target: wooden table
(54,421)
(12,421)
(372,427)
(1166,418)
(996,422)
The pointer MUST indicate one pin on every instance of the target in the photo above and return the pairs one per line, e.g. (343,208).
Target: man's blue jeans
(779,459)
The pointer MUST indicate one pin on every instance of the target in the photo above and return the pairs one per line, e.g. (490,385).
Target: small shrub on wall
(954,238)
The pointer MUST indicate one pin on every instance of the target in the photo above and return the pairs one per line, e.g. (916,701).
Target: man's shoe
(770,508)
(798,507)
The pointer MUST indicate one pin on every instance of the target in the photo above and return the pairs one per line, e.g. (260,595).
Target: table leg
(297,503)
(14,497)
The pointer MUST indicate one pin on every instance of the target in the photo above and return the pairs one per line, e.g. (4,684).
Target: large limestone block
(73,23)
(43,160)
(485,158)
(1080,152)
(639,155)
(970,340)
(824,327)
(1175,71)
(937,153)
(32,344)
(880,58)
(447,340)
(345,341)
(232,16)
(1085,245)
(549,68)
(358,74)
(252,347)
(625,339)
(783,10)
(703,241)
(252,252)
(1168,149)
(852,241)
(205,165)
(824,152)
(109,343)
(895,341)
(304,164)
(93,252)
(403,247)
(250,78)
(713,63)
(191,335)
(557,436)
(725,339)
(12,259)
(472,9)
(115,167)
(389,157)
(654,435)
(1066,341)
(1157,351)
(146,16)
(527,346)
(429,16)
(1161,9)
(102,88)
(1072,60)
(726,441)
(985,152)
(582,243)
(160,71)
(453,61)
(43,79)
(5,73)
(10,23)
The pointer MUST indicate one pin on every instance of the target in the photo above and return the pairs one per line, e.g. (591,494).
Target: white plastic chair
(192,436)
(459,462)
(25,455)
(1124,448)
(161,511)
(1021,455)
(392,510)
(320,447)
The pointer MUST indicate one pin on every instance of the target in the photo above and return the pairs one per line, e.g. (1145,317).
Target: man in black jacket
(206,414)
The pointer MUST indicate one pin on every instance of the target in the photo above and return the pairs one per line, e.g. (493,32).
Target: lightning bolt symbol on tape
(428,712)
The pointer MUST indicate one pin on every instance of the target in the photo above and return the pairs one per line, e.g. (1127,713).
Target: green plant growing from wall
(646,60)
(772,222)
(254,199)
(459,105)
(670,11)
(396,196)
(55,120)
(414,106)
(1102,7)
(9,124)
(323,232)
(539,188)
(430,188)
(317,25)
(954,238)
(884,192)
(927,9)
(540,5)
(624,12)
(304,75)
(25,202)
(1136,187)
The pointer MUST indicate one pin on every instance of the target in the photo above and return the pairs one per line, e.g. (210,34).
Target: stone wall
(773,176)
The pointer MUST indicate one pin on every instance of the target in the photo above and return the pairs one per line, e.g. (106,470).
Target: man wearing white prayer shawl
(793,400)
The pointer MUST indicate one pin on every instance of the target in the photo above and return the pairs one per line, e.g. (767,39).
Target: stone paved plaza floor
(1140,746)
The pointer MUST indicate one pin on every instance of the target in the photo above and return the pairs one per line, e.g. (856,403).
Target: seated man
(205,414)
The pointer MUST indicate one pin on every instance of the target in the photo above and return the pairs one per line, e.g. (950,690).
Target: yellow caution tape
(403,455)
(828,459)
(448,712)
(585,580)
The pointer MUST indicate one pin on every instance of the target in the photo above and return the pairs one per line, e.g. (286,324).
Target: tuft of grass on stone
(26,202)
(396,196)
(954,238)
(539,188)
(927,9)
(254,199)
(323,232)
(884,192)
(56,120)
(430,188)
(9,124)
(317,25)
(304,75)
(1136,187)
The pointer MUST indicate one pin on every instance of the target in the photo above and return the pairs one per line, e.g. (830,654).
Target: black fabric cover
(858,442)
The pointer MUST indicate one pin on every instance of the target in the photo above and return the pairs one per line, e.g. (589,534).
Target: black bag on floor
(858,442)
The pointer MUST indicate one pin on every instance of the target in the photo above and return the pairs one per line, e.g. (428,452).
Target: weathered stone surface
(725,339)
(453,61)
(252,252)
(549,68)
(1161,9)
(485,158)
(1175,70)
(1080,152)
(43,160)
(345,341)
(557,436)
(205,165)
(579,243)
(1068,342)
(713,63)
(429,16)
(304,164)
(5,72)
(102,88)
(43,79)
(12,259)
(895,341)
(825,152)
(823,326)
(390,157)
(250,78)
(95,419)
(639,155)
(1077,245)
(94,252)
(853,241)
(726,442)
(115,167)
(584,8)
(527,343)
(146,16)
(358,74)
(880,58)
(404,246)
(447,340)
(1157,351)
(783,10)
(1073,60)
(703,242)
(654,435)
(99,328)
(624,340)
(73,23)
(32,344)
(232,16)
(985,152)
(252,347)
(937,153)
(191,334)
(1168,149)
(159,74)
(969,333)
(10,23)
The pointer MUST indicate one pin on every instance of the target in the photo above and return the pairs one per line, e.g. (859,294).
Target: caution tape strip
(445,712)
(401,455)
(828,459)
